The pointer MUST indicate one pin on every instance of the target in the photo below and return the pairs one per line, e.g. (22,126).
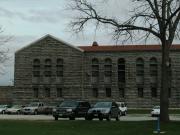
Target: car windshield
(102,105)
(157,107)
(16,106)
(33,104)
(69,104)
(2,106)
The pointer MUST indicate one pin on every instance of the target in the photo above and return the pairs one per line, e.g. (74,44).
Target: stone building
(52,70)
(6,94)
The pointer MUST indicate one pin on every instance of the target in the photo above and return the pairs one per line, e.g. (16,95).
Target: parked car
(3,109)
(155,111)
(34,108)
(122,107)
(15,109)
(71,109)
(103,110)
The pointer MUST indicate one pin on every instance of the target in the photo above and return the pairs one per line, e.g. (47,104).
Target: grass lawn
(84,128)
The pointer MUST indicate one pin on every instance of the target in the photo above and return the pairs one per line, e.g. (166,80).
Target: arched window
(121,70)
(153,67)
(47,66)
(108,68)
(95,67)
(36,68)
(140,71)
(59,67)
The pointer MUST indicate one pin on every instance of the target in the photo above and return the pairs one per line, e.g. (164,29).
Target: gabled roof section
(125,48)
(48,35)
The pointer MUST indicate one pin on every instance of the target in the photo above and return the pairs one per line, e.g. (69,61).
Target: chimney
(94,43)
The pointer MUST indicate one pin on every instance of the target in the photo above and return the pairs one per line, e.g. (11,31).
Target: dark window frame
(47,92)
(36,92)
(122,70)
(140,92)
(95,92)
(95,67)
(36,67)
(108,92)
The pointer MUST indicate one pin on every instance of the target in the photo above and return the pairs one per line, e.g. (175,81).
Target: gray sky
(28,20)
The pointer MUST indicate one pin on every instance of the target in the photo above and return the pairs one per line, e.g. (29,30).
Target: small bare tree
(157,18)
(3,52)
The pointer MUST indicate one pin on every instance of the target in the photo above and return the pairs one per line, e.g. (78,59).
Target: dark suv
(71,109)
(103,110)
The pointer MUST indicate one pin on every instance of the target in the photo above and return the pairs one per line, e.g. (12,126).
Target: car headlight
(54,109)
(90,111)
(68,110)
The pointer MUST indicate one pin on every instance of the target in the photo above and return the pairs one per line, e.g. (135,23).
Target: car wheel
(101,118)
(88,118)
(125,113)
(118,116)
(108,117)
(35,112)
(71,118)
(120,113)
(18,112)
(55,117)
(3,112)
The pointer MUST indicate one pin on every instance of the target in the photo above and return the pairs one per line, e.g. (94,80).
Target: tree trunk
(164,101)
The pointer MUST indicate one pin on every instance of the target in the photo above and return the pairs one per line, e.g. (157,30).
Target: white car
(3,108)
(155,111)
(122,107)
(15,109)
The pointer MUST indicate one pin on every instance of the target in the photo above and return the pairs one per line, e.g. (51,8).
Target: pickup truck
(122,108)
(37,108)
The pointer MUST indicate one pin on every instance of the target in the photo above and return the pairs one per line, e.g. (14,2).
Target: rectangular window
(47,92)
(36,92)
(47,73)
(59,71)
(153,92)
(95,92)
(108,92)
(140,92)
(36,73)
(121,92)
(59,92)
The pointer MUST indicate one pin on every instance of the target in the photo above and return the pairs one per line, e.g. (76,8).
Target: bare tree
(3,52)
(157,18)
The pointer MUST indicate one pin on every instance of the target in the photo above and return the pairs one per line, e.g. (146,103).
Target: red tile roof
(124,48)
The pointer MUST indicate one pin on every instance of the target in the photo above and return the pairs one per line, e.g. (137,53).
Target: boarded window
(36,68)
(95,68)
(59,92)
(59,68)
(108,68)
(153,92)
(139,71)
(121,92)
(121,70)
(47,68)
(47,92)
(140,92)
(36,92)
(95,92)
(108,92)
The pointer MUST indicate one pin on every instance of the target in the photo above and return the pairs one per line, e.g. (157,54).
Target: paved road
(129,117)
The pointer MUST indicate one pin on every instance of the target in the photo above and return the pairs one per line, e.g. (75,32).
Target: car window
(103,105)
(69,104)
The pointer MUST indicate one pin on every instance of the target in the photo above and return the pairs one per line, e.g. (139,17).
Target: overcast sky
(28,20)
